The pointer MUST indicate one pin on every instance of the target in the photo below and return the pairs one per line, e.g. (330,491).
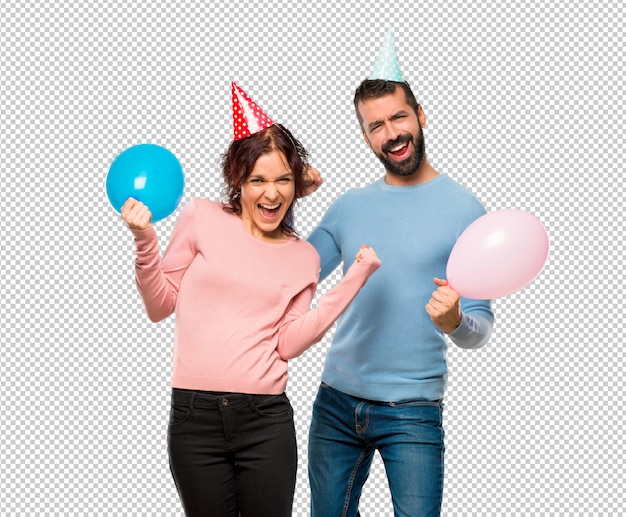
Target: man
(385,374)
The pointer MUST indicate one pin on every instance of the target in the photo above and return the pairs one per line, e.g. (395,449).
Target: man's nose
(391,133)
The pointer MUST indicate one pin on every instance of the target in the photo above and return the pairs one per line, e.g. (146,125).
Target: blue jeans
(344,434)
(232,454)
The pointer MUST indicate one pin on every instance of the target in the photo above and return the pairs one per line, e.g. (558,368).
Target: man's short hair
(375,88)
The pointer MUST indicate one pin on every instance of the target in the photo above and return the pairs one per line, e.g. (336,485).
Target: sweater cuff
(464,329)
(473,331)
(364,268)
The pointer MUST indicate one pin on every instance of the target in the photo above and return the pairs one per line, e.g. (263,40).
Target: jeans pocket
(179,414)
(419,412)
(276,406)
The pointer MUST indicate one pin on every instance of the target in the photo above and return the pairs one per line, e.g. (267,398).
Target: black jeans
(232,454)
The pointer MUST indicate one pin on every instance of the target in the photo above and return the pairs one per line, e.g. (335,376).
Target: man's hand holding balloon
(444,307)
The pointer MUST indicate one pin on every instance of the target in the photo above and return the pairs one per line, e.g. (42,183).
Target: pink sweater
(242,305)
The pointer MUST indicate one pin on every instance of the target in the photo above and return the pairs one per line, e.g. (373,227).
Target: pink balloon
(497,255)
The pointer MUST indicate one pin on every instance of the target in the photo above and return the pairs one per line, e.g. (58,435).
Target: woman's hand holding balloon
(135,214)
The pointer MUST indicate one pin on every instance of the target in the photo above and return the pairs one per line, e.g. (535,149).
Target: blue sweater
(386,347)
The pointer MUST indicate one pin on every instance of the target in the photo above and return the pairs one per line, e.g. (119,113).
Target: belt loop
(193,397)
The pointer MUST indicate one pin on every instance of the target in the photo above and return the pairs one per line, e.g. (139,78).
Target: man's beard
(410,165)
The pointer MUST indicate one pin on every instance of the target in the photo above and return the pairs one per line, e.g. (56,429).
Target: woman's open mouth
(269,211)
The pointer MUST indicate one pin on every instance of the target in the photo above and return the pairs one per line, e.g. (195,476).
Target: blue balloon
(150,174)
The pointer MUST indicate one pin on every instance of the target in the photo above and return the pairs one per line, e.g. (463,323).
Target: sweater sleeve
(323,240)
(302,326)
(158,280)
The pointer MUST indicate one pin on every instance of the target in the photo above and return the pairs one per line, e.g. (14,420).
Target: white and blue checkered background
(526,108)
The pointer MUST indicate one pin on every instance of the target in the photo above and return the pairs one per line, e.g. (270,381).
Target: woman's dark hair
(375,88)
(240,158)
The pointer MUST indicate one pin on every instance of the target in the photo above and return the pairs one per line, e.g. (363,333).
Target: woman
(241,284)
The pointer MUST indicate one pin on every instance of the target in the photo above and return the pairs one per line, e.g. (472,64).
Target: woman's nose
(271,190)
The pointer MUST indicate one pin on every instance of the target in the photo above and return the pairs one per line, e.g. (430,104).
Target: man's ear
(421,116)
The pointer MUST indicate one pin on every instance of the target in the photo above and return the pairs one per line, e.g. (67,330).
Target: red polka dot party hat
(248,117)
